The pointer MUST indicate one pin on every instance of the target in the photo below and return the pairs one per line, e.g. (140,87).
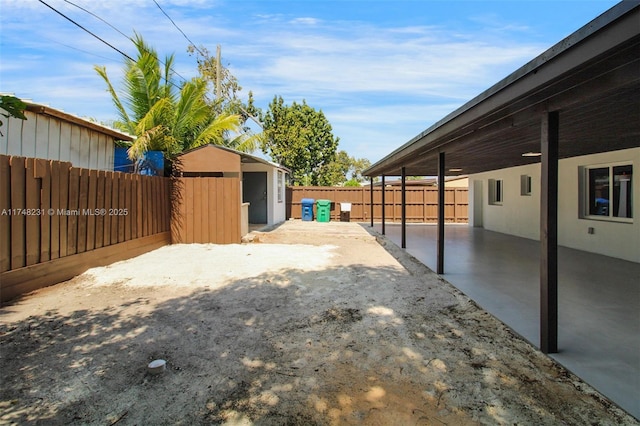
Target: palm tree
(163,116)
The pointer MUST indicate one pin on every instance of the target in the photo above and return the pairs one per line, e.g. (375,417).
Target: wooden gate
(206,210)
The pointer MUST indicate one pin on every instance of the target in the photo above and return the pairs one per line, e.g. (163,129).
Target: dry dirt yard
(310,324)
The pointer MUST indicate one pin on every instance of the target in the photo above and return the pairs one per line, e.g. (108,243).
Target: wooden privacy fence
(421,203)
(206,210)
(56,221)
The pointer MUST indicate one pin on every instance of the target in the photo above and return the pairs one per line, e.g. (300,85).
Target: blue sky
(381,71)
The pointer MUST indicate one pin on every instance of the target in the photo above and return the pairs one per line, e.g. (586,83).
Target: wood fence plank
(65,173)
(18,203)
(122,204)
(157,197)
(213,210)
(169,204)
(32,188)
(5,213)
(166,203)
(152,203)
(147,206)
(83,200)
(43,173)
(108,195)
(54,207)
(72,217)
(220,218)
(99,233)
(188,199)
(144,206)
(133,208)
(115,196)
(93,209)
(139,207)
(234,189)
(198,211)
(204,207)
(128,185)
(162,206)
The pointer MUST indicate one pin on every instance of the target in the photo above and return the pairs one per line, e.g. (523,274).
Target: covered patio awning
(580,97)
(592,78)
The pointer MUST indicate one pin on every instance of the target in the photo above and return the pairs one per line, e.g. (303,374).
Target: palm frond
(154,139)
(214,132)
(129,125)
(246,142)
(160,113)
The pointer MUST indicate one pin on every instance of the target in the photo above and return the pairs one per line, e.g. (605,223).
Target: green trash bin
(323,210)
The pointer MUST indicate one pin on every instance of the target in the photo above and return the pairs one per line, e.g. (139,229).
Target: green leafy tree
(300,138)
(161,114)
(13,106)
(344,170)
(336,172)
(359,165)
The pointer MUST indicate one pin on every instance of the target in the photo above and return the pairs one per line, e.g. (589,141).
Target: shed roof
(592,78)
(53,112)
(244,157)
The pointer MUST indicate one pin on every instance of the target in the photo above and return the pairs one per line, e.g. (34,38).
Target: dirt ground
(309,324)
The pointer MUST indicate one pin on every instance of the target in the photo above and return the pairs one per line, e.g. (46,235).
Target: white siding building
(55,135)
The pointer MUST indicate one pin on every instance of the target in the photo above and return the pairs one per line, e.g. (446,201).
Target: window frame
(526,185)
(585,192)
(280,184)
(496,192)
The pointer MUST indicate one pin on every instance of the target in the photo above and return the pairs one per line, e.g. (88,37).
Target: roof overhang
(591,77)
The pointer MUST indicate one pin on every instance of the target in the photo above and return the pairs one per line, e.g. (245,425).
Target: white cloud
(378,85)
(305,21)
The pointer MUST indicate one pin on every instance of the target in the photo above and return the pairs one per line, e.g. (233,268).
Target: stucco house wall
(519,214)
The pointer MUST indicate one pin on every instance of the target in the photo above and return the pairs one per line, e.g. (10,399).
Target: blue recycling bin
(307,209)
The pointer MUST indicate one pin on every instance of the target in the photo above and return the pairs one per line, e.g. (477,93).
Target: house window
(280,185)
(525,185)
(608,191)
(495,191)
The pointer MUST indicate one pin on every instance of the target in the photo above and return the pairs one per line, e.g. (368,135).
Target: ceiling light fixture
(532,154)
(455,170)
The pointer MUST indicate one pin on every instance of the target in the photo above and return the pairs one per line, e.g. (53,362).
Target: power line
(86,30)
(178,28)
(127,56)
(218,64)
(99,18)
(127,37)
(108,44)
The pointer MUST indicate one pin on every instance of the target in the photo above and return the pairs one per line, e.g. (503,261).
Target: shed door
(254,191)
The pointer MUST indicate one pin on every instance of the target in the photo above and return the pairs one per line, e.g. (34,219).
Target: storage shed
(219,192)
(53,134)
